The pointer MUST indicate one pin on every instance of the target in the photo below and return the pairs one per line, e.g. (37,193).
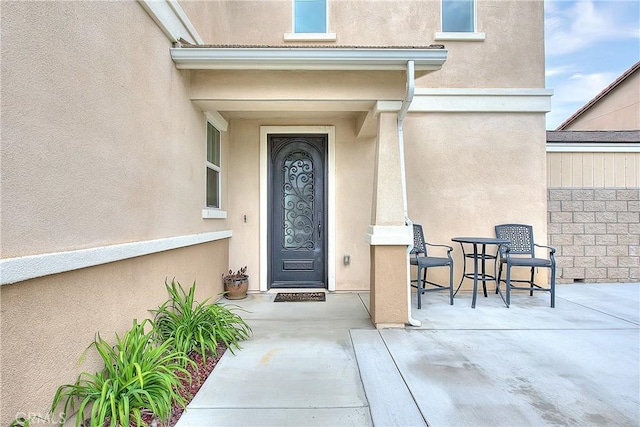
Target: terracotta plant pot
(236,288)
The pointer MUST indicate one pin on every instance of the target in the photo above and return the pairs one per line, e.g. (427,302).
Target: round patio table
(479,257)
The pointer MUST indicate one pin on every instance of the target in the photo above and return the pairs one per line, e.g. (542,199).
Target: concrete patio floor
(323,363)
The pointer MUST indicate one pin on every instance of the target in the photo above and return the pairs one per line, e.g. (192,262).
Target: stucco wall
(48,322)
(100,142)
(354,159)
(100,146)
(210,19)
(468,172)
(511,28)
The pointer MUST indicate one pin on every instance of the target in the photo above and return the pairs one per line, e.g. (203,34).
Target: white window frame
(220,124)
(463,35)
(301,37)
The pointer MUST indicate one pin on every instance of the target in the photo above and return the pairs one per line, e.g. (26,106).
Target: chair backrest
(418,241)
(520,238)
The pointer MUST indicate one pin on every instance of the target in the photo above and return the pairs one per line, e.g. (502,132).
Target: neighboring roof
(593,141)
(600,136)
(307,57)
(635,67)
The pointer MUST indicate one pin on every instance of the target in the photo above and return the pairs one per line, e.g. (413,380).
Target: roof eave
(307,59)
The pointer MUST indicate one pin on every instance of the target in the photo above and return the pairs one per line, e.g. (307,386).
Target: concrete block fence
(596,232)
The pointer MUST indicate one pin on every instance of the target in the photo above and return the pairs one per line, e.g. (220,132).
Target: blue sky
(588,44)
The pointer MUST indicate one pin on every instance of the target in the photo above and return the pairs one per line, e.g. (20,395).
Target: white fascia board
(217,120)
(172,19)
(307,58)
(18,269)
(505,100)
(585,147)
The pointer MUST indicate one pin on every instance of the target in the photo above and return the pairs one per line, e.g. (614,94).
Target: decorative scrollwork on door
(297,201)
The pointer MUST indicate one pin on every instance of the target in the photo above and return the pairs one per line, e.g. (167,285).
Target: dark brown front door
(297,214)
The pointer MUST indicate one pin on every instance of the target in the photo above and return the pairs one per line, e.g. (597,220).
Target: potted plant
(236,284)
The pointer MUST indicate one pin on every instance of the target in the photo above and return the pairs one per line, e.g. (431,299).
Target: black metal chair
(423,261)
(520,252)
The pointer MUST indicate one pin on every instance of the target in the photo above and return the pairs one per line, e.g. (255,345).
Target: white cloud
(573,92)
(559,70)
(580,87)
(588,43)
(573,26)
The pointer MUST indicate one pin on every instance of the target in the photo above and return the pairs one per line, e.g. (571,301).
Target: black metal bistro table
(479,256)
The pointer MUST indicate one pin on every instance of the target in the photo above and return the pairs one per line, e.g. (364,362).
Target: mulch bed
(199,374)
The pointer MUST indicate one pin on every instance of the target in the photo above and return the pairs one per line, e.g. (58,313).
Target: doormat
(299,296)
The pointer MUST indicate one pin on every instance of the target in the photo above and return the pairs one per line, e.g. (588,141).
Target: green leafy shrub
(139,375)
(193,326)
(21,422)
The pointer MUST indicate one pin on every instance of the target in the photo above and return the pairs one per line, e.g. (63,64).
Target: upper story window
(458,16)
(213,167)
(310,16)
(459,21)
(310,22)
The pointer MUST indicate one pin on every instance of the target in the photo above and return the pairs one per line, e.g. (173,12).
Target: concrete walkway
(323,364)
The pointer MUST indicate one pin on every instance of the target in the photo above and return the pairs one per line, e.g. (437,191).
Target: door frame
(264,192)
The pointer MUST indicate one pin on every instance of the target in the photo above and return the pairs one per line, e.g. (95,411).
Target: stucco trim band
(457,100)
(389,235)
(310,37)
(29,267)
(172,20)
(457,37)
(313,58)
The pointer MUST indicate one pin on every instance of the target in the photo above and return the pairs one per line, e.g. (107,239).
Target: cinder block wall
(596,233)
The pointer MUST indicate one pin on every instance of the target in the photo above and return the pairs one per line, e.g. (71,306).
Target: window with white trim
(309,16)
(213,167)
(458,16)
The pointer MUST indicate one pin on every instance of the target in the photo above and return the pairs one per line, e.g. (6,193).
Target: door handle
(319,230)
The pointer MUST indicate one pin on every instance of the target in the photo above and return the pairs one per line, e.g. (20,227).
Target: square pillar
(388,235)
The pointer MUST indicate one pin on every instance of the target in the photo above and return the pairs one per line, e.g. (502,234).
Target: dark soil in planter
(199,374)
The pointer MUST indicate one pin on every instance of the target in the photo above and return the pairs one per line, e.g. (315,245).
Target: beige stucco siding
(210,19)
(354,162)
(48,322)
(468,172)
(296,85)
(101,146)
(106,119)
(512,55)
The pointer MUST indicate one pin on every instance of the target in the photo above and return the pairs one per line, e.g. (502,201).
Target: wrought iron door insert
(297,218)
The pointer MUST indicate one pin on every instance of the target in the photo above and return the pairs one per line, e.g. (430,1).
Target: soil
(199,373)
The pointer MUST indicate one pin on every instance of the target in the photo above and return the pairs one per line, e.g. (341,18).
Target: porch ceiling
(361,112)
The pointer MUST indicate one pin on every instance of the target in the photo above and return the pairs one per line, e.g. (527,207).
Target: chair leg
(498,277)
(420,285)
(451,284)
(531,282)
(553,285)
(508,285)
